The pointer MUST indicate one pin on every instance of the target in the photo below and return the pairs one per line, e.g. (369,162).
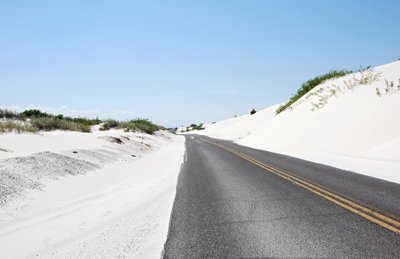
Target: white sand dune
(109,194)
(79,195)
(355,129)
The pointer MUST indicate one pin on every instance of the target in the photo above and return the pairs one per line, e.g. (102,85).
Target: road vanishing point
(237,202)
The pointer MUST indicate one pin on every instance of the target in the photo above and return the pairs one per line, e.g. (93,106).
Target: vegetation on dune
(33,113)
(34,120)
(18,127)
(363,76)
(197,127)
(54,123)
(173,130)
(109,124)
(390,88)
(7,114)
(310,84)
(253,111)
(83,121)
(192,127)
(143,125)
(139,124)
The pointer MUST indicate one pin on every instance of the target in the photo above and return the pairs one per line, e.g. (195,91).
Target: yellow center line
(381,218)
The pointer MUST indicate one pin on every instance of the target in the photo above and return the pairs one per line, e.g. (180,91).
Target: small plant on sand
(364,76)
(390,88)
(253,111)
(378,92)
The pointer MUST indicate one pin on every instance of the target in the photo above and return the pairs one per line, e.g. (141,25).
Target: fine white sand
(355,130)
(86,196)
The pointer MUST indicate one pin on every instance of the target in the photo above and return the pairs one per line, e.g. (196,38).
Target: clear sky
(178,62)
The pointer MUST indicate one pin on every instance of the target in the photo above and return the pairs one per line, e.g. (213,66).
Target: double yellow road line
(381,218)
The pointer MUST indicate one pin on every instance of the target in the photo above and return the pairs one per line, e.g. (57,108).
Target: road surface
(234,201)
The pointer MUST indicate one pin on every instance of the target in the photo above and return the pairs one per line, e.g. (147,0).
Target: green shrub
(54,123)
(110,124)
(104,127)
(39,114)
(310,84)
(197,127)
(85,121)
(143,125)
(33,113)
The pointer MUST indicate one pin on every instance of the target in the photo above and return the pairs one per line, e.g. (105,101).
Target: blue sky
(178,62)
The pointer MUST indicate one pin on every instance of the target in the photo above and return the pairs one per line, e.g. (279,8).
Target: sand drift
(99,195)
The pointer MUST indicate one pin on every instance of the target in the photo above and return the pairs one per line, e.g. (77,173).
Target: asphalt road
(228,207)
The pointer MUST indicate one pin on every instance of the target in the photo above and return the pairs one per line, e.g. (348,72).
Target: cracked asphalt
(227,207)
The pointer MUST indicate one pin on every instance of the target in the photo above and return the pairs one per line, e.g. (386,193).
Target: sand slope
(87,195)
(353,129)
